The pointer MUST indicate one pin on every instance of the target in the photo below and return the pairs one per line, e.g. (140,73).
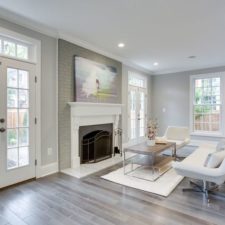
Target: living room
(112,112)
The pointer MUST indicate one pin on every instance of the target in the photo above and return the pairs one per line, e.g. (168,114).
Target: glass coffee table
(150,157)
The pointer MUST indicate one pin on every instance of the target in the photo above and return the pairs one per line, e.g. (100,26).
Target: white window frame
(35,58)
(18,39)
(221,133)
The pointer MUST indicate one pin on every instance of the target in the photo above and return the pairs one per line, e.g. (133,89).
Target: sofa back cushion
(177,133)
(214,159)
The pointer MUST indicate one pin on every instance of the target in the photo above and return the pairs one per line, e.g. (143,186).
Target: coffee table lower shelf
(145,163)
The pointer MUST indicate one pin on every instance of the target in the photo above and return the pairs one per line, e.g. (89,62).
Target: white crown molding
(91,47)
(41,28)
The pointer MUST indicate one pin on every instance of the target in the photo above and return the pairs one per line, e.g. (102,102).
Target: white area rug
(162,186)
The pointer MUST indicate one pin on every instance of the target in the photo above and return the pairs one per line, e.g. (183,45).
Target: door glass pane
(22,51)
(12,138)
(12,118)
(23,156)
(23,79)
(12,98)
(23,137)
(12,78)
(12,158)
(9,48)
(23,99)
(23,118)
(17,118)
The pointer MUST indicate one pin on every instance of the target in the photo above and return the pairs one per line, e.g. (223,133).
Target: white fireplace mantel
(84,114)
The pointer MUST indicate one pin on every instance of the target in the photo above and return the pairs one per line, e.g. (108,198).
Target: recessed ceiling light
(192,57)
(155,64)
(121,45)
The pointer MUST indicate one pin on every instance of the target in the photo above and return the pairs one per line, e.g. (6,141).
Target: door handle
(2,129)
(2,120)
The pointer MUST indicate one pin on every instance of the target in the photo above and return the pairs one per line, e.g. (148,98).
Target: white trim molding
(48,169)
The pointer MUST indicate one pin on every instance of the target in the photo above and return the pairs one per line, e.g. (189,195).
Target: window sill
(219,135)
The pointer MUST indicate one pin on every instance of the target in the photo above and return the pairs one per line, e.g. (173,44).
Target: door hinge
(35,79)
(35,162)
(35,120)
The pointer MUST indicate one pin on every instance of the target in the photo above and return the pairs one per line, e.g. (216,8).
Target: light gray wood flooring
(63,200)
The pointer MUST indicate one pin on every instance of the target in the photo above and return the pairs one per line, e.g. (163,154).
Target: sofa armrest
(187,140)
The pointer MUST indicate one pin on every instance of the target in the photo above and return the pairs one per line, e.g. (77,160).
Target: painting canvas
(95,82)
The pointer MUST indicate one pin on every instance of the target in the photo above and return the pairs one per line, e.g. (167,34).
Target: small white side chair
(180,135)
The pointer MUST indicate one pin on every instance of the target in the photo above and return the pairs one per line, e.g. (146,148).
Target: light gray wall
(125,72)
(172,92)
(48,89)
(66,53)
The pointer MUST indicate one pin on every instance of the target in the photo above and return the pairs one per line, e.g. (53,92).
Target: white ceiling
(152,30)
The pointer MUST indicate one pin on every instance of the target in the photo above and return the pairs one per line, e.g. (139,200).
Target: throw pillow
(214,159)
(220,146)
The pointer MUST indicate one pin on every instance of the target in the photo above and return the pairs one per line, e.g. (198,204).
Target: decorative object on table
(95,82)
(161,141)
(152,131)
(118,141)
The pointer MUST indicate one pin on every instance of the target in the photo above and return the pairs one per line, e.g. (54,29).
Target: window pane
(12,118)
(23,137)
(12,96)
(215,127)
(198,118)
(198,109)
(12,158)
(22,51)
(12,138)
(23,99)
(23,118)
(198,83)
(9,48)
(12,78)
(216,81)
(23,79)
(23,156)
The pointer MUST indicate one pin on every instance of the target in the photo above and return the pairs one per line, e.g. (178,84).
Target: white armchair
(180,135)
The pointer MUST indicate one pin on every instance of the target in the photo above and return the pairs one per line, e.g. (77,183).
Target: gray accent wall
(66,88)
(172,93)
(48,89)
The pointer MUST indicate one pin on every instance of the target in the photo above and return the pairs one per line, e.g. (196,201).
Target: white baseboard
(48,169)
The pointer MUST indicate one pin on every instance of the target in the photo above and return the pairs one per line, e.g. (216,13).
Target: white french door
(137,107)
(17,125)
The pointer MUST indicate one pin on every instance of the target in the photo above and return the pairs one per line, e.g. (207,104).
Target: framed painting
(95,82)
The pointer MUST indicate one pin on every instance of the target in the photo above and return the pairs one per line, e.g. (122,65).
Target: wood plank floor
(63,200)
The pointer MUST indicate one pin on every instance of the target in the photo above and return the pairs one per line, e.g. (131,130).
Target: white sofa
(193,167)
(180,135)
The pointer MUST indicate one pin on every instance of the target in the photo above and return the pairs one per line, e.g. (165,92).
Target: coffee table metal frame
(149,151)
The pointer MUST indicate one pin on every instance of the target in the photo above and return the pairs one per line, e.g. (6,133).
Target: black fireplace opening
(95,143)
